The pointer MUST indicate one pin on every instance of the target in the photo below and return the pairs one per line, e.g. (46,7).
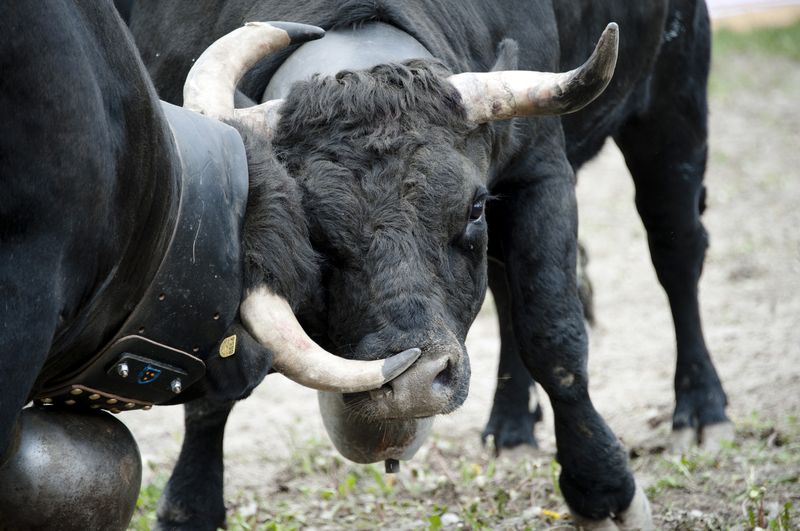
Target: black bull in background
(373,223)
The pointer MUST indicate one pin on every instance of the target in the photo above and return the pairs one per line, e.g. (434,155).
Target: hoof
(713,436)
(509,430)
(636,517)
(710,439)
(681,441)
(72,471)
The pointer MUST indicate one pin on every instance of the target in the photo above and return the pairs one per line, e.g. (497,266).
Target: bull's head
(393,176)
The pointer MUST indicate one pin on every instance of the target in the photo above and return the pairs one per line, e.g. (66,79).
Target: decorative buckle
(133,373)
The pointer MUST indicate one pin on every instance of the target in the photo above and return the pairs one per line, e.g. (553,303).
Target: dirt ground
(282,474)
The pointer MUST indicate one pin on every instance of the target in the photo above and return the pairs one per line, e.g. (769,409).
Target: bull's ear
(237,366)
(507,56)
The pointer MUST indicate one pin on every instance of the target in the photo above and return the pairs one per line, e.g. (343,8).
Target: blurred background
(746,14)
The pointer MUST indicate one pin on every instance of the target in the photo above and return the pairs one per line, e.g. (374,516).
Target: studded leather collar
(158,353)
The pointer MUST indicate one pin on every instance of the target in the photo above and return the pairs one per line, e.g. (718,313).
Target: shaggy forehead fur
(379,109)
(379,150)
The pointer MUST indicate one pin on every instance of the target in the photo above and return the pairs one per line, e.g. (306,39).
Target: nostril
(443,379)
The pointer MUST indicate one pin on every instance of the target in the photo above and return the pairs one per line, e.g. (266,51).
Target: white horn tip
(610,37)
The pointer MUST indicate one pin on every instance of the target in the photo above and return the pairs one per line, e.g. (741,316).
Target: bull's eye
(478,205)
(472,236)
(476,212)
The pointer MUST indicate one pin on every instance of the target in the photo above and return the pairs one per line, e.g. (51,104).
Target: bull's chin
(392,422)
(362,439)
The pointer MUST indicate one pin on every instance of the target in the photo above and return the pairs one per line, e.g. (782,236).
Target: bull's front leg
(538,229)
(511,421)
(193,498)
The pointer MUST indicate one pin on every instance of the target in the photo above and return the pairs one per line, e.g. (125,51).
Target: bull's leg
(30,302)
(538,227)
(18,380)
(193,497)
(511,422)
(669,198)
(665,150)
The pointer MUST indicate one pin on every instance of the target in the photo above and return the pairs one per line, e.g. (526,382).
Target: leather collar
(160,350)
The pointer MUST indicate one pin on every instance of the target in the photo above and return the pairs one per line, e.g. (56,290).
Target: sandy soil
(750,295)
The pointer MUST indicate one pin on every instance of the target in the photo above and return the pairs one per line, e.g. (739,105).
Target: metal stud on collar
(79,396)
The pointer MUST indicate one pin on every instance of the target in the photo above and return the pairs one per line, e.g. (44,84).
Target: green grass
(145,516)
(440,489)
(734,53)
(771,41)
(754,482)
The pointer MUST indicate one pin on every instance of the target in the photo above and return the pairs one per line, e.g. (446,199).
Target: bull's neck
(345,49)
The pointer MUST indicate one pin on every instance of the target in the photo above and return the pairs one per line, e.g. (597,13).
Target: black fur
(277,248)
(200,459)
(277,253)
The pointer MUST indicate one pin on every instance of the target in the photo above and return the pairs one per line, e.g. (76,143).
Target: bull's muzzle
(428,388)
(392,422)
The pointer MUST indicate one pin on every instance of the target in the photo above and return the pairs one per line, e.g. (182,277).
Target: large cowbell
(69,471)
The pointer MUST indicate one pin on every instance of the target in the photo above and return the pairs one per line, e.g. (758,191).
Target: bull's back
(464,34)
(658,39)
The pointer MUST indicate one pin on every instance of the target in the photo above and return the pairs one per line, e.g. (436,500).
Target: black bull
(655,109)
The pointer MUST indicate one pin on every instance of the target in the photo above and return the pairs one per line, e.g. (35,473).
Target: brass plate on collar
(227,347)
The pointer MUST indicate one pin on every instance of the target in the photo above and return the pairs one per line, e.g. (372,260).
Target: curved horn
(500,95)
(212,80)
(270,320)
